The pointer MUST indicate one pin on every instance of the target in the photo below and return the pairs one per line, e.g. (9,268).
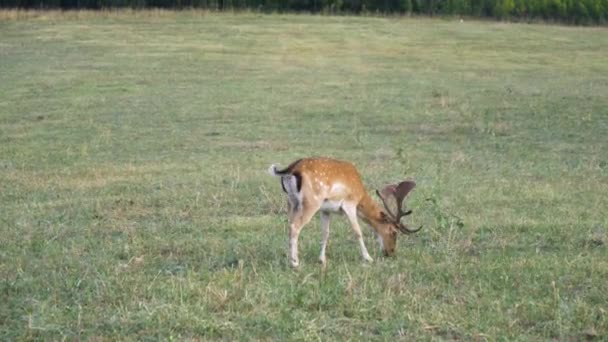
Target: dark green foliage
(569,11)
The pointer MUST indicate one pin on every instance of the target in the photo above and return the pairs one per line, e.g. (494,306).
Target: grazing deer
(328,185)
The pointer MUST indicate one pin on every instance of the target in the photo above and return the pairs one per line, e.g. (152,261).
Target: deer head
(392,197)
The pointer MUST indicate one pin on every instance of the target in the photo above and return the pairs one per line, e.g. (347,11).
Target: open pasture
(135,204)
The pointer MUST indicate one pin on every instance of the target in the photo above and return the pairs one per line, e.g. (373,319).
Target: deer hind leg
(351,214)
(297,220)
(325,218)
(301,212)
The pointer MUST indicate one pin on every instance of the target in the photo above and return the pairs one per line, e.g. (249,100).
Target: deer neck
(369,211)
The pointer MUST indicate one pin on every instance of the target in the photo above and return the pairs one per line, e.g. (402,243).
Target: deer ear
(384,217)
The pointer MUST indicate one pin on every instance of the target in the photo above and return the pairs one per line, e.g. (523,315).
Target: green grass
(134,203)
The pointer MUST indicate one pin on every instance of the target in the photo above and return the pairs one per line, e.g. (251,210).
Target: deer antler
(398,192)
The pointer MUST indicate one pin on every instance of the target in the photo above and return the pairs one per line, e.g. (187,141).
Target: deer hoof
(323,261)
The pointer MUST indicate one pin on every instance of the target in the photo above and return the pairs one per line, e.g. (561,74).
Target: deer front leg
(351,213)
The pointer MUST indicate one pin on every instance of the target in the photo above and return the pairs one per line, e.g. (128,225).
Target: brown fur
(324,182)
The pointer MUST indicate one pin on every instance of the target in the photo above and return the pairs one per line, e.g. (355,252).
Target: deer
(329,186)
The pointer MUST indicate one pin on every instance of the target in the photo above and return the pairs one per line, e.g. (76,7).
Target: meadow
(135,204)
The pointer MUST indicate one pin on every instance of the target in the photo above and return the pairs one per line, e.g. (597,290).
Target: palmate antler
(398,192)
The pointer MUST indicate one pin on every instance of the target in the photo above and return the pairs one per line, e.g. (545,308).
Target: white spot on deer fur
(337,187)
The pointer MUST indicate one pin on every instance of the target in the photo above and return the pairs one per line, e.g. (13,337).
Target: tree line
(569,11)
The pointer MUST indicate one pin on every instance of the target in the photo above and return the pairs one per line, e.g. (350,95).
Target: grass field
(134,203)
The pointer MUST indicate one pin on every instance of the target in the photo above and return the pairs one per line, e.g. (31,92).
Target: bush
(570,11)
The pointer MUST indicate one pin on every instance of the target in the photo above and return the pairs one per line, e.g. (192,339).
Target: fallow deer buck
(328,185)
